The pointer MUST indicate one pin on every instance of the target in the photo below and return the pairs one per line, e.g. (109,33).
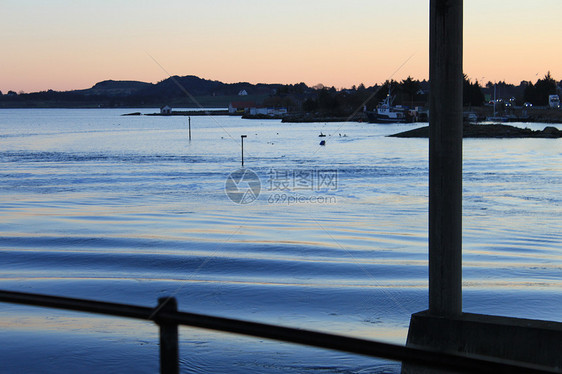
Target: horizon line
(274,83)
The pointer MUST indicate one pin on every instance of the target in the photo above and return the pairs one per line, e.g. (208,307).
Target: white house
(243,93)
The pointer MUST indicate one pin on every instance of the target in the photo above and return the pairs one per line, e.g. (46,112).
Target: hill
(116,88)
(176,90)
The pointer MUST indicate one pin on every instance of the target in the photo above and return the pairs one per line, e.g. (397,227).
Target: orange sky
(65,45)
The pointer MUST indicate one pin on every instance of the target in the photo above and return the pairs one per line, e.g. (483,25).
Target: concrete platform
(525,340)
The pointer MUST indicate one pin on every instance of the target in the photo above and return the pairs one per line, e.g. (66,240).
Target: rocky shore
(489,131)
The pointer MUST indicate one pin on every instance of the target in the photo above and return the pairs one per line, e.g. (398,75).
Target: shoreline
(221,112)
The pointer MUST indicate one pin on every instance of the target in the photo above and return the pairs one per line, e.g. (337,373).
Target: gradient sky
(63,45)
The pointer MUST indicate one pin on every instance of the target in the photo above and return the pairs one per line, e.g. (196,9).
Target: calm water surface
(127,209)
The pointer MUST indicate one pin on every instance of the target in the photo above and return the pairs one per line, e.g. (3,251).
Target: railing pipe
(166,314)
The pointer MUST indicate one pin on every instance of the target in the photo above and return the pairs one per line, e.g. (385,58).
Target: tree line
(408,92)
(297,97)
(537,94)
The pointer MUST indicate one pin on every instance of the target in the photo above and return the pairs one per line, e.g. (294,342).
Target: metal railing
(168,318)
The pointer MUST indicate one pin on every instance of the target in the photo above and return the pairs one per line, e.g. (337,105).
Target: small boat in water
(385,112)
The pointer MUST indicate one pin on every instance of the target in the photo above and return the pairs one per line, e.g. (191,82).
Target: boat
(385,112)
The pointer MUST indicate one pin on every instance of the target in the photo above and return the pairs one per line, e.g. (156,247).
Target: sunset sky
(64,45)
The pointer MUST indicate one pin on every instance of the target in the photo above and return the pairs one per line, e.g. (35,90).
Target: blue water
(127,209)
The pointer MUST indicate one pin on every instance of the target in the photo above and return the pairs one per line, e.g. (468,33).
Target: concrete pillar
(444,327)
(445,157)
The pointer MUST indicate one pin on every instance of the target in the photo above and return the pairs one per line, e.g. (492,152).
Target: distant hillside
(116,88)
(173,90)
(176,86)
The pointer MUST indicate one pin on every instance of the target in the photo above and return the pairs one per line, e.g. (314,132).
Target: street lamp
(242,139)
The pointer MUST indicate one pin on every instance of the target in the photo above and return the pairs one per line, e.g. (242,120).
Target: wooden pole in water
(445,157)
(189,120)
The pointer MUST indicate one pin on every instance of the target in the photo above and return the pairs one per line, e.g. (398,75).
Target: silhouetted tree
(411,88)
(472,93)
(327,100)
(310,105)
(537,94)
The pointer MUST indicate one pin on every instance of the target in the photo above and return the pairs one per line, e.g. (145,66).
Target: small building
(166,110)
(259,110)
(240,107)
(278,111)
(272,112)
(243,93)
